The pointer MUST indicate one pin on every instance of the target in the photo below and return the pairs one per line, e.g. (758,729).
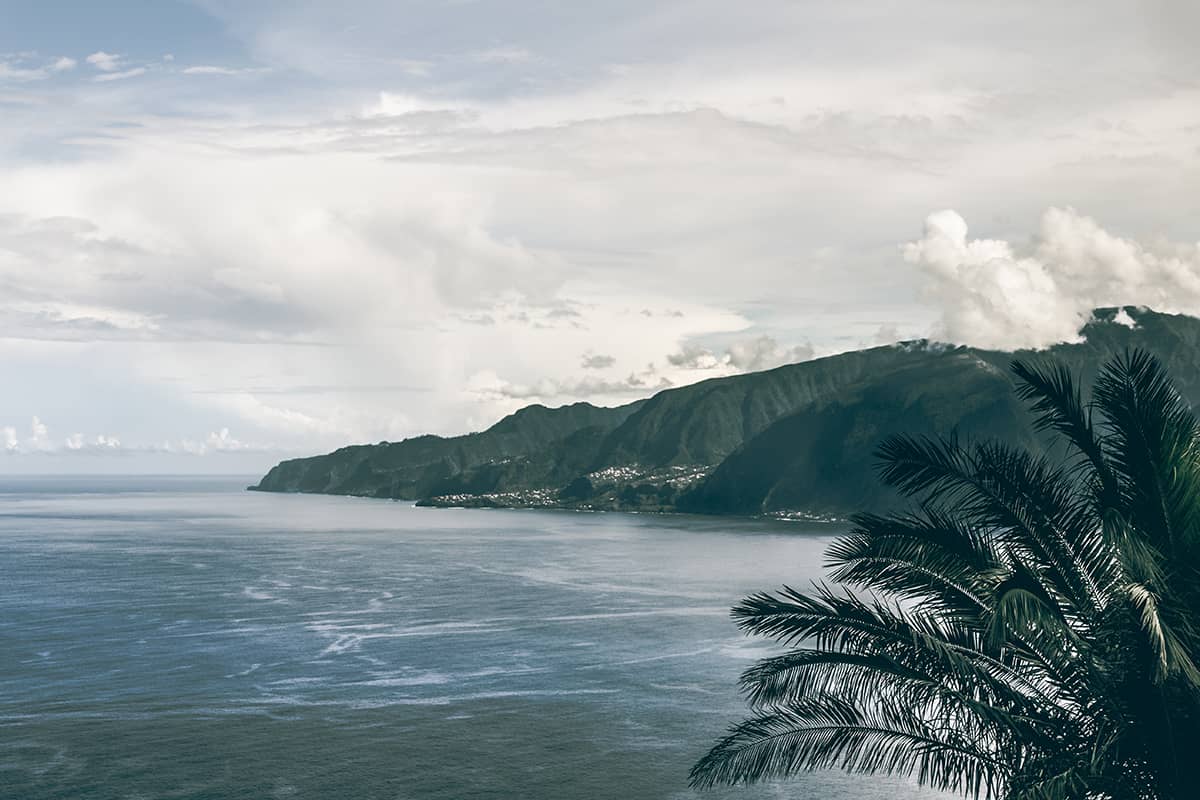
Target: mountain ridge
(798,439)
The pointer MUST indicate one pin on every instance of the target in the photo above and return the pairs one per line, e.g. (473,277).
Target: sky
(233,232)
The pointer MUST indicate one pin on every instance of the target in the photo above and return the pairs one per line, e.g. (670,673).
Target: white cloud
(206,69)
(39,434)
(24,67)
(743,172)
(210,69)
(217,442)
(416,68)
(120,76)
(37,441)
(40,442)
(221,440)
(100,443)
(993,294)
(694,356)
(888,333)
(597,361)
(763,352)
(1122,317)
(743,355)
(105,62)
(509,54)
(488,385)
(14,71)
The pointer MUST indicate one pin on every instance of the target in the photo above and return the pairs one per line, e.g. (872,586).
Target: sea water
(183,638)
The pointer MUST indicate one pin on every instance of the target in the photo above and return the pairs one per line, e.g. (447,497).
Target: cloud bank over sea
(311,225)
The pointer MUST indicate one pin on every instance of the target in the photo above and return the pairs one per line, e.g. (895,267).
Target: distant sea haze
(184,638)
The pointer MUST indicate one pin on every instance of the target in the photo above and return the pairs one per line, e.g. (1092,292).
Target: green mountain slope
(704,422)
(799,438)
(411,469)
(819,459)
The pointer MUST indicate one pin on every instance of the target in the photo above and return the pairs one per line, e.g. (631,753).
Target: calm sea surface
(181,638)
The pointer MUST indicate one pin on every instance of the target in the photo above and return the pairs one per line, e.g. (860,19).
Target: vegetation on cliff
(796,439)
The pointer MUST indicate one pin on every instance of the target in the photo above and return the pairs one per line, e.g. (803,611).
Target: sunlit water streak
(182,638)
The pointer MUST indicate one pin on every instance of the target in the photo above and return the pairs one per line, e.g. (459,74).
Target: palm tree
(1027,628)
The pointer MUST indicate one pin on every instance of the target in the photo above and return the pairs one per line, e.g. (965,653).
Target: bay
(182,638)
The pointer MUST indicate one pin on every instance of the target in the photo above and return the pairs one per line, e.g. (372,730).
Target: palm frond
(924,464)
(1036,508)
(859,678)
(928,556)
(1022,605)
(1171,655)
(823,733)
(1027,631)
(1057,403)
(1152,447)
(844,623)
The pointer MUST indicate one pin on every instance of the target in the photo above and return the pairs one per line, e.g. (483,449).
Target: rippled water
(182,638)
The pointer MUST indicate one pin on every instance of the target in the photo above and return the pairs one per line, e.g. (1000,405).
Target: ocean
(182,638)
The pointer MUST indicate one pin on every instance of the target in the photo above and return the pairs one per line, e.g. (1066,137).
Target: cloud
(22,68)
(40,442)
(888,333)
(763,352)
(78,443)
(218,442)
(490,386)
(994,294)
(597,361)
(317,232)
(504,55)
(105,62)
(416,68)
(331,270)
(743,355)
(146,276)
(38,432)
(120,76)
(694,356)
(14,71)
(209,69)
(37,440)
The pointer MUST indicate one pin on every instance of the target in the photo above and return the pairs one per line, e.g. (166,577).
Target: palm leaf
(822,733)
(1058,406)
(1027,631)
